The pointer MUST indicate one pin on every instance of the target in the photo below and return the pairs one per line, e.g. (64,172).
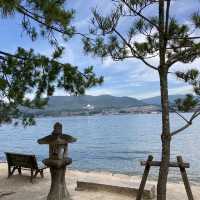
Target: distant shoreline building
(88,107)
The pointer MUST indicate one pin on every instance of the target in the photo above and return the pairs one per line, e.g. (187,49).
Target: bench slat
(21,160)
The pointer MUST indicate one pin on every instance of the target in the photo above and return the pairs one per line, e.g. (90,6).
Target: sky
(125,78)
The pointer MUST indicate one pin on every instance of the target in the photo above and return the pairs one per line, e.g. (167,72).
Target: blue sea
(115,143)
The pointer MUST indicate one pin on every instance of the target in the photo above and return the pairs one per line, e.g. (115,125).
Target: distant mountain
(64,104)
(87,101)
(157,100)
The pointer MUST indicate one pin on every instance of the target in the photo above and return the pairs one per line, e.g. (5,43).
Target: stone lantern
(57,162)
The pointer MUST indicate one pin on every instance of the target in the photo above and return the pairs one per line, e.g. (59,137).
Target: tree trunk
(165,137)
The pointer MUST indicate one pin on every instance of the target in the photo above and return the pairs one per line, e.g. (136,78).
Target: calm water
(109,143)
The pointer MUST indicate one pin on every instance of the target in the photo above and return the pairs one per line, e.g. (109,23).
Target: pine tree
(164,38)
(28,72)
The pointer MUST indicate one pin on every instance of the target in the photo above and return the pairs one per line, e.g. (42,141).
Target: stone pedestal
(58,190)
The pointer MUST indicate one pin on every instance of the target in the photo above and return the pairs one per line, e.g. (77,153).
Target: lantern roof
(54,139)
(57,137)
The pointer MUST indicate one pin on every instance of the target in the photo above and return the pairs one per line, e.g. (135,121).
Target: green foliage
(175,41)
(50,15)
(192,77)
(196,19)
(27,73)
(187,104)
(108,38)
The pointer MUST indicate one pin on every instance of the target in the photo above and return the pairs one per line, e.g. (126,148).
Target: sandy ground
(19,187)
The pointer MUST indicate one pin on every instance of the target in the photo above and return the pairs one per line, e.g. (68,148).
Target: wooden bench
(24,161)
(125,187)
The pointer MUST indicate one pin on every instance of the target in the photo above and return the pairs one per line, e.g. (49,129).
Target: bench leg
(9,171)
(39,171)
(12,170)
(19,170)
(32,176)
(42,173)
(36,173)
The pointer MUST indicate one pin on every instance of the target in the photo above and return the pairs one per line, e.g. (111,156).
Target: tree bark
(165,138)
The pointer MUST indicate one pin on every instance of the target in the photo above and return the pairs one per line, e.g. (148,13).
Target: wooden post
(144,178)
(185,178)
(171,164)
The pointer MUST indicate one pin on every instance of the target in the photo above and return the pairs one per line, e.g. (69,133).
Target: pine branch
(28,59)
(146,4)
(3,58)
(38,19)
(11,55)
(139,14)
(188,124)
(189,38)
(191,52)
(29,14)
(134,52)
(181,116)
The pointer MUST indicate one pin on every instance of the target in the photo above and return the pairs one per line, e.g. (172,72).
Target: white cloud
(144,74)
(181,90)
(99,91)
(185,67)
(108,62)
(146,95)
(172,91)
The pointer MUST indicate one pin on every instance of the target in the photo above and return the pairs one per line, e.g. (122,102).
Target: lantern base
(58,189)
(59,163)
